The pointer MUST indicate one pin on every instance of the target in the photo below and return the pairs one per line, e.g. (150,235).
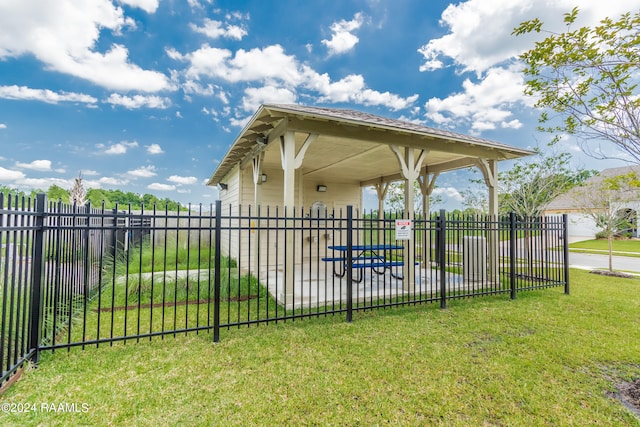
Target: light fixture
(261,140)
(321,188)
(222,186)
(263,177)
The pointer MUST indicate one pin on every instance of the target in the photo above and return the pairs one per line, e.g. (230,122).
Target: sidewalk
(601,262)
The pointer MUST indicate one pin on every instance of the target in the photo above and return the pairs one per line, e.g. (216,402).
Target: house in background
(581,226)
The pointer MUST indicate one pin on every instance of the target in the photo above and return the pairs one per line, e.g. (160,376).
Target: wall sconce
(222,186)
(262,140)
(321,188)
(263,177)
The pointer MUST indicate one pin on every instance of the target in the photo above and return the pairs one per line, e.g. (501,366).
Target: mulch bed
(12,379)
(629,394)
(613,274)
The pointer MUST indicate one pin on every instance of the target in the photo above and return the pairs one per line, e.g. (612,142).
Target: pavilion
(294,155)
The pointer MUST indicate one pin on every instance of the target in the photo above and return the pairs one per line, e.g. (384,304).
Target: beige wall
(259,240)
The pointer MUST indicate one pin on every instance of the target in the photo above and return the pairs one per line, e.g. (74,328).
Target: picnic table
(375,257)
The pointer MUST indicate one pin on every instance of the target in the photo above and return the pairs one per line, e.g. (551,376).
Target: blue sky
(147,95)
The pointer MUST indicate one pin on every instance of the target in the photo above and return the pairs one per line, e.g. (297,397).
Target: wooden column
(290,162)
(489,169)
(427,184)
(410,167)
(257,200)
(381,190)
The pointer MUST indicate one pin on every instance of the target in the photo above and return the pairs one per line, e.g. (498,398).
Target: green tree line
(96,196)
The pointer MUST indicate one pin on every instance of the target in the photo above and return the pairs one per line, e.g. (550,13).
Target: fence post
(349,263)
(36,277)
(442,244)
(565,247)
(216,273)
(512,253)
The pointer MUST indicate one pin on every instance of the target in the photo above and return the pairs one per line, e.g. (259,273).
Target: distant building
(581,227)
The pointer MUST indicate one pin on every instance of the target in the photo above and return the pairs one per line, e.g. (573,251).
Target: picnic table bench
(364,256)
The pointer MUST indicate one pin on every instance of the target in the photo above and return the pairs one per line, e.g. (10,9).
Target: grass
(138,276)
(629,247)
(172,255)
(543,359)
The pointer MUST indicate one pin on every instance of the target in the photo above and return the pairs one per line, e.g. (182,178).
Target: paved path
(598,261)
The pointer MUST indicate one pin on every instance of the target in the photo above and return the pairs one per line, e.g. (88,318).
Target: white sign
(403,229)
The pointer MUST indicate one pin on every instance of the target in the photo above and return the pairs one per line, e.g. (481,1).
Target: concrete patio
(320,287)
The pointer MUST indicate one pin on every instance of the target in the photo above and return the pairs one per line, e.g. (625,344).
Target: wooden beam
(489,171)
(406,139)
(461,163)
(346,159)
(278,130)
(305,146)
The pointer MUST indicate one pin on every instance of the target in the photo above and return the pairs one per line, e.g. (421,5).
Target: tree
(395,197)
(605,202)
(475,198)
(589,76)
(78,194)
(97,196)
(56,193)
(529,186)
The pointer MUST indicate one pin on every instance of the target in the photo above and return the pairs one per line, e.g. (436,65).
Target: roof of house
(448,150)
(570,201)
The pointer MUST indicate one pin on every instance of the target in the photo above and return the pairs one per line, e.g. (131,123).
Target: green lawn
(620,247)
(544,359)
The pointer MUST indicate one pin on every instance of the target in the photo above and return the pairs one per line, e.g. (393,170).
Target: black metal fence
(77,276)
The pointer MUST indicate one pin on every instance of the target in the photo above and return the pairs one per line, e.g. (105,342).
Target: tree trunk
(610,253)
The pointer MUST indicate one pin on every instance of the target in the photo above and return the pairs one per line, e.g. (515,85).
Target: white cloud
(3,126)
(42,183)
(119,148)
(8,175)
(254,97)
(64,35)
(161,187)
(193,87)
(143,172)
(484,105)
(479,41)
(44,95)
(479,32)
(239,122)
(138,101)
(149,6)
(195,4)
(216,29)
(182,180)
(154,149)
(281,75)
(352,89)
(343,39)
(36,165)
(255,64)
(449,192)
(113,181)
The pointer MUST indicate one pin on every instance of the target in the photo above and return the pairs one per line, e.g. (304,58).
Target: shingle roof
(268,116)
(380,121)
(568,201)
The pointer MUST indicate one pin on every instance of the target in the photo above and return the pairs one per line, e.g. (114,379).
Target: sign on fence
(403,229)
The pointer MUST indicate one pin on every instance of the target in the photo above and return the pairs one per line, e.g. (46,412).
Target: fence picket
(102,276)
